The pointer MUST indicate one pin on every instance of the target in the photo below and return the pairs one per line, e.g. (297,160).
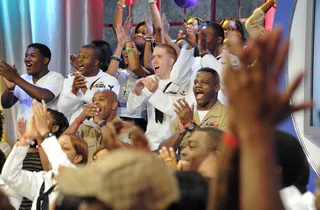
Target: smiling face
(162,62)
(34,61)
(106,101)
(88,61)
(196,150)
(205,90)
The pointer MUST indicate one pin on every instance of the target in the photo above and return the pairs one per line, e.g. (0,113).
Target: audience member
(157,93)
(106,51)
(208,112)
(103,110)
(4,147)
(39,83)
(135,181)
(14,198)
(39,186)
(80,86)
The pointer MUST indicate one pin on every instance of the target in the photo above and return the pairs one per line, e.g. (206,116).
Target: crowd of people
(157,123)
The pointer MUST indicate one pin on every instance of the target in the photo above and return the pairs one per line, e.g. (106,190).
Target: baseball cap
(125,179)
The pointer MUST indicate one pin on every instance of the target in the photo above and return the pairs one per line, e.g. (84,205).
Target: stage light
(185,3)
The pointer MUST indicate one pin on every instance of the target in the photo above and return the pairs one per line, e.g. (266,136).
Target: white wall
(296,63)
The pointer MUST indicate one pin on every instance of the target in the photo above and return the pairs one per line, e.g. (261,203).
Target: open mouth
(28,65)
(156,67)
(199,95)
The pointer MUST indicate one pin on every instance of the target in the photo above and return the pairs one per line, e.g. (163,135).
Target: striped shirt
(31,162)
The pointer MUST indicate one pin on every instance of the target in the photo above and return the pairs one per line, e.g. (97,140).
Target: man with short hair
(202,143)
(80,86)
(157,93)
(208,111)
(39,83)
(103,110)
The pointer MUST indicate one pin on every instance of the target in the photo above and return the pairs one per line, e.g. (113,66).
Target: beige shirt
(93,137)
(216,117)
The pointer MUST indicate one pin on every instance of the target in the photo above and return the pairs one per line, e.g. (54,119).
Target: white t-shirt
(71,105)
(202,114)
(126,80)
(5,148)
(52,81)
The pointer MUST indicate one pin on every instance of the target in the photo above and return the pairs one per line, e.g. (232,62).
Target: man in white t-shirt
(80,86)
(39,83)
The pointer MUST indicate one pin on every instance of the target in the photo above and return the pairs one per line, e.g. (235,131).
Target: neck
(167,75)
(218,50)
(111,116)
(208,106)
(42,73)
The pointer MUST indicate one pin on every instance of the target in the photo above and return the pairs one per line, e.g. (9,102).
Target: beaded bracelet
(130,50)
(114,57)
(77,122)
(188,123)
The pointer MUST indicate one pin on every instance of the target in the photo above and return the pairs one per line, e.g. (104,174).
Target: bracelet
(120,5)
(9,90)
(102,124)
(230,140)
(271,3)
(114,57)
(77,122)
(149,39)
(74,92)
(130,50)
(187,124)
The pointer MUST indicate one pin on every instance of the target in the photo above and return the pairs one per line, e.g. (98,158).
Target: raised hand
(78,82)
(74,61)
(169,158)
(252,89)
(90,110)
(8,72)
(138,140)
(32,132)
(21,127)
(191,36)
(120,35)
(40,115)
(127,27)
(148,25)
(151,84)
(138,86)
(184,111)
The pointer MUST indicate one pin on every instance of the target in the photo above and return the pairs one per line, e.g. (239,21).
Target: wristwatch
(191,126)
(47,135)
(102,124)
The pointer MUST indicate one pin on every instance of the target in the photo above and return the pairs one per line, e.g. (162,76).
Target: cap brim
(79,182)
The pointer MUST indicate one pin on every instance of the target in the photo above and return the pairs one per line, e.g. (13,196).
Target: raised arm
(115,59)
(156,20)
(133,58)
(255,114)
(165,31)
(147,56)
(255,21)
(118,16)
